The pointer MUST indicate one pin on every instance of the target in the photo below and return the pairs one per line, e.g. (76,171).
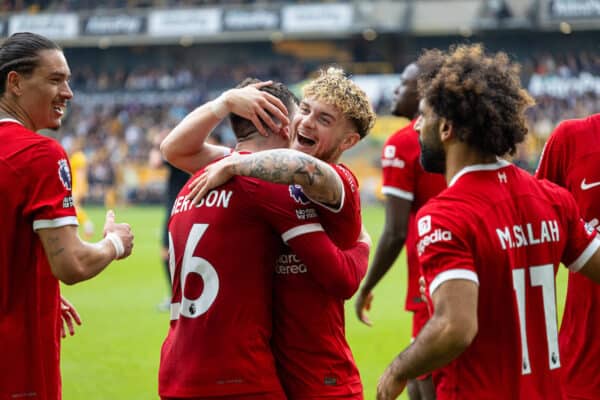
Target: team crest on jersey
(298,195)
(424,225)
(64,173)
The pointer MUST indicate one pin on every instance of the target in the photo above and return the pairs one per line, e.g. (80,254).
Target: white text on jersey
(528,235)
(290,264)
(214,198)
(436,236)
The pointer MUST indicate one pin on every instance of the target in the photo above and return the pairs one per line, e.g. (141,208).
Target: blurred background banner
(140,66)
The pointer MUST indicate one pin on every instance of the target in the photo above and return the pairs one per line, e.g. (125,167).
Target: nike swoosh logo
(586,186)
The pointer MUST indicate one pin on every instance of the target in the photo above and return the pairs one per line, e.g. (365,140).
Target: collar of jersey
(500,163)
(11,120)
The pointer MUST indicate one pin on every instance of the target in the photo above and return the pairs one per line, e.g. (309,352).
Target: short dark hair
(481,95)
(20,53)
(242,127)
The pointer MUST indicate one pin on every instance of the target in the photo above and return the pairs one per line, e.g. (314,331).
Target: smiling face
(43,95)
(321,130)
(433,155)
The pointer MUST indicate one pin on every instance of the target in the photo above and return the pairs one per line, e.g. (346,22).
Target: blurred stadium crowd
(126,95)
(118,136)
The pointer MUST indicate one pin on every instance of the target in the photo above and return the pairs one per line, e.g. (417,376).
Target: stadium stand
(126,91)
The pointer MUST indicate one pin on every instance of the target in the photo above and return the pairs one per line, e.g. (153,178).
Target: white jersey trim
(10,120)
(301,230)
(54,223)
(585,255)
(500,163)
(342,199)
(403,194)
(450,275)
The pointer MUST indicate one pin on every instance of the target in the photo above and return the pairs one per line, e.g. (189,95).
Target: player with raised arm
(219,340)
(571,159)
(309,315)
(40,244)
(406,187)
(490,244)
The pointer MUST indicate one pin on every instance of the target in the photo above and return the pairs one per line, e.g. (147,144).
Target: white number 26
(193,308)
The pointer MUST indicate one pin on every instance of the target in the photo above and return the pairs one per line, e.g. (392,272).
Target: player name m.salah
(529,234)
(214,198)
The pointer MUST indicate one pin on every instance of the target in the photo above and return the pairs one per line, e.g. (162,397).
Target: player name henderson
(528,235)
(214,198)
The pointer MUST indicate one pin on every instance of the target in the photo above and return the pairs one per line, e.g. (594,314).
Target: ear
(13,83)
(446,130)
(349,140)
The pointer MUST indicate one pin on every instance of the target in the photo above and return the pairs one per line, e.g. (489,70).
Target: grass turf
(115,353)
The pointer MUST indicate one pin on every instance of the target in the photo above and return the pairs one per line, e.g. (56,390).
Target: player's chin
(54,124)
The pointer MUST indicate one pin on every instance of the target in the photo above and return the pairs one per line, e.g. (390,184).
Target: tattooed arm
(73,260)
(185,146)
(319,180)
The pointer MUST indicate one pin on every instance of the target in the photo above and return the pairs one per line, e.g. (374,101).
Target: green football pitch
(114,354)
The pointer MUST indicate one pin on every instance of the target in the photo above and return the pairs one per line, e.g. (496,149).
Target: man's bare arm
(591,269)
(73,260)
(319,180)
(446,335)
(185,146)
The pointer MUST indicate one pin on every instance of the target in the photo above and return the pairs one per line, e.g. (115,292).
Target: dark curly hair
(242,127)
(480,94)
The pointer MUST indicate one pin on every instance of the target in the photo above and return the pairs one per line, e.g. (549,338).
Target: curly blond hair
(333,87)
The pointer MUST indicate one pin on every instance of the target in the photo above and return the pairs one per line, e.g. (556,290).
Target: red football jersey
(571,159)
(309,342)
(500,227)
(222,256)
(404,177)
(35,181)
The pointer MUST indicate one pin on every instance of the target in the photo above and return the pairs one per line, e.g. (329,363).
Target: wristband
(117,244)
(219,108)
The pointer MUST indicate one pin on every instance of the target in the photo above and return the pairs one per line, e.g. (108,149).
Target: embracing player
(219,340)
(309,330)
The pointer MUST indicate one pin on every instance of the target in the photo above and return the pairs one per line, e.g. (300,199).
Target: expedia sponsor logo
(424,225)
(290,264)
(436,236)
(389,151)
(394,162)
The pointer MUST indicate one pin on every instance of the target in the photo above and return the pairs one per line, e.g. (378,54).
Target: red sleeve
(398,166)
(339,272)
(276,204)
(552,165)
(582,239)
(50,201)
(443,249)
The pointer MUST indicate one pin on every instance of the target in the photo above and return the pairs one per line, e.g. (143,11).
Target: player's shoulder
(406,136)
(570,128)
(347,175)
(554,192)
(445,207)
